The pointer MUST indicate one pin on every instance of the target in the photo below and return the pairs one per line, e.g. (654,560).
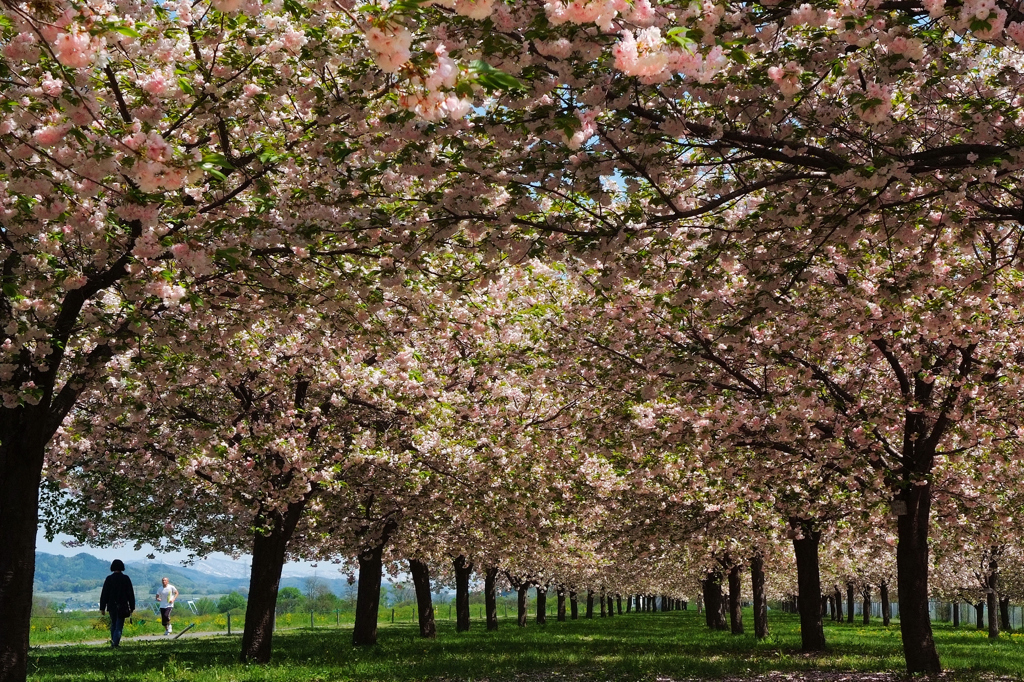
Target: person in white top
(165,596)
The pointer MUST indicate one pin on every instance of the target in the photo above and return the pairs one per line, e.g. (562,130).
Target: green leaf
(491,79)
(127,31)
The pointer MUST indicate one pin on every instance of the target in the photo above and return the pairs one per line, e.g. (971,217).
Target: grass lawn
(629,647)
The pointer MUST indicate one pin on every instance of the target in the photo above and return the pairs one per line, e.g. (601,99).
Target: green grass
(628,647)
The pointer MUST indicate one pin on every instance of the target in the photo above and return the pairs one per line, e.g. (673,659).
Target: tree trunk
(849,602)
(832,607)
(979,615)
(268,552)
(629,603)
(364,632)
(611,605)
(992,597)
(590,603)
(618,603)
(714,602)
(22,446)
(805,546)
(491,597)
(735,611)
(866,607)
(523,595)
(463,570)
(955,607)
(561,604)
(912,581)
(542,605)
(574,606)
(824,605)
(838,598)
(603,614)
(1004,614)
(883,595)
(757,580)
(424,604)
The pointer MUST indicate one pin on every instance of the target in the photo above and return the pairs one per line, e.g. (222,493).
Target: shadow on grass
(630,647)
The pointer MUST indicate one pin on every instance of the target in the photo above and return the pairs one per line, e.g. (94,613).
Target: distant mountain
(84,573)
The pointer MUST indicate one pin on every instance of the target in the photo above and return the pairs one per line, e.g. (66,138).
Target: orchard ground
(649,646)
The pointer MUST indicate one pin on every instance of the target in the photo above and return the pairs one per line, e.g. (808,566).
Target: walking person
(165,596)
(117,596)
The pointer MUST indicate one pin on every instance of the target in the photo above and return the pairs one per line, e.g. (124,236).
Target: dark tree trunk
(812,631)
(883,596)
(618,603)
(424,604)
(735,610)
(1004,614)
(561,604)
(757,580)
(463,570)
(832,607)
(912,581)
(664,604)
(603,614)
(849,602)
(979,615)
(491,597)
(574,606)
(23,441)
(542,605)
(364,632)
(866,607)
(992,597)
(955,607)
(611,605)
(824,605)
(523,595)
(714,602)
(590,603)
(629,603)
(838,598)
(268,552)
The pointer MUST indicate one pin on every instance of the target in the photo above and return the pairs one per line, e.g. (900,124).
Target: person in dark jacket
(118,596)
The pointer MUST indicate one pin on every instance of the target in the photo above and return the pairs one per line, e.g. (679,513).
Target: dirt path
(141,638)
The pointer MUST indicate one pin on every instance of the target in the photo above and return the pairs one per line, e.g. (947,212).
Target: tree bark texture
(618,603)
(574,606)
(364,632)
(883,595)
(955,607)
(838,598)
(268,552)
(849,602)
(424,603)
(491,597)
(757,581)
(602,600)
(522,597)
(735,610)
(979,615)
(805,546)
(561,604)
(542,605)
(1004,614)
(912,581)
(590,603)
(866,606)
(992,597)
(23,441)
(463,570)
(714,602)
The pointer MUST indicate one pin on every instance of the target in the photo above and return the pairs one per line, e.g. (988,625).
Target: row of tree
(616,295)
